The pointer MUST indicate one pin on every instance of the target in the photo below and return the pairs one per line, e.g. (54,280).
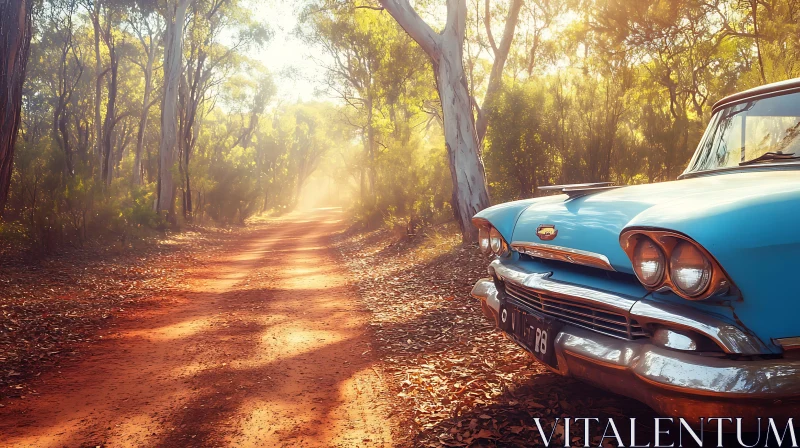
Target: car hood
(712,210)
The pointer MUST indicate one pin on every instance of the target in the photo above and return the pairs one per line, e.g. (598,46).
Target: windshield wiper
(770,157)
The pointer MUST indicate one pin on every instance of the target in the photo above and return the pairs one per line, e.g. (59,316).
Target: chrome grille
(578,313)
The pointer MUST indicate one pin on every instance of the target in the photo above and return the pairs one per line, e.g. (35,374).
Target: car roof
(776,88)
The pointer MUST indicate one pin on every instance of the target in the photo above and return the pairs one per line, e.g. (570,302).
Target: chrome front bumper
(673,383)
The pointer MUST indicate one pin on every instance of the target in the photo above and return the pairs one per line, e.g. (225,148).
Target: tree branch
(496,76)
(412,23)
(456,20)
(487,20)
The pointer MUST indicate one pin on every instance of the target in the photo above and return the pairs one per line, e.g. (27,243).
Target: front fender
(755,237)
(504,216)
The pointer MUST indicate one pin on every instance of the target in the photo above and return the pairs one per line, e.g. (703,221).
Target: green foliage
(60,193)
(593,91)
(522,147)
(395,168)
(233,196)
(628,90)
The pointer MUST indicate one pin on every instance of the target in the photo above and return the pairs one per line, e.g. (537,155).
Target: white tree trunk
(173,66)
(148,89)
(446,52)
(466,167)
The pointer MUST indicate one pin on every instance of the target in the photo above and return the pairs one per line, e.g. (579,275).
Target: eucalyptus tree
(463,135)
(259,94)
(147,26)
(15,39)
(66,70)
(770,26)
(244,97)
(110,119)
(371,66)
(174,17)
(521,142)
(355,42)
(680,51)
(210,58)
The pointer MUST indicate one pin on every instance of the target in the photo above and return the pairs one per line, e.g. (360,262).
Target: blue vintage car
(683,294)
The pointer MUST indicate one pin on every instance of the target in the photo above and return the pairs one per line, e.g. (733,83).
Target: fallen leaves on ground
(51,306)
(458,382)
(455,381)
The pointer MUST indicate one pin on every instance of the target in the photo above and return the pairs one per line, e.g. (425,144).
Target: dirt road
(267,346)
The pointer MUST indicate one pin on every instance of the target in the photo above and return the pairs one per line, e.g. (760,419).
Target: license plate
(533,331)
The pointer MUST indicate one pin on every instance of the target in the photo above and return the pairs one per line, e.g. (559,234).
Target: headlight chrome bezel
(486,232)
(704,278)
(636,261)
(667,241)
(495,241)
(483,240)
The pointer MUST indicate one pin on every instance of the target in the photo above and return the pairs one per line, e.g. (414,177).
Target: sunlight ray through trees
(140,114)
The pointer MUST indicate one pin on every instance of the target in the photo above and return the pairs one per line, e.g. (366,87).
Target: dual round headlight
(491,242)
(649,262)
(483,240)
(689,270)
(495,241)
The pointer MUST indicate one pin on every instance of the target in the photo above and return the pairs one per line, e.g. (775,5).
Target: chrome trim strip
(780,166)
(574,186)
(730,337)
(792,343)
(684,371)
(541,282)
(577,193)
(590,316)
(565,254)
(578,190)
(674,383)
(486,291)
(758,93)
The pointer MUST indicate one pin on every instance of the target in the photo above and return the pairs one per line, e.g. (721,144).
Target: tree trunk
(757,38)
(190,95)
(61,134)
(301,177)
(370,146)
(362,181)
(187,190)
(15,39)
(60,131)
(148,89)
(446,52)
(98,85)
(169,111)
(63,96)
(111,114)
(189,102)
(466,167)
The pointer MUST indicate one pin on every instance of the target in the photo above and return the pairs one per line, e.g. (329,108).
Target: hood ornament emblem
(547,232)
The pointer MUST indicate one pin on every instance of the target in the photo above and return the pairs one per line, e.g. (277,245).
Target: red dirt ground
(265,347)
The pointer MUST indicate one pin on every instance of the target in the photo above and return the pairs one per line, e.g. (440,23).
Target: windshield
(765,128)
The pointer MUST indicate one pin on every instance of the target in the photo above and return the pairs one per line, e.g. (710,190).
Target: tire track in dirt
(267,346)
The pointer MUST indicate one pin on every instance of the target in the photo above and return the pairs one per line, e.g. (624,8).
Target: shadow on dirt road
(266,347)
